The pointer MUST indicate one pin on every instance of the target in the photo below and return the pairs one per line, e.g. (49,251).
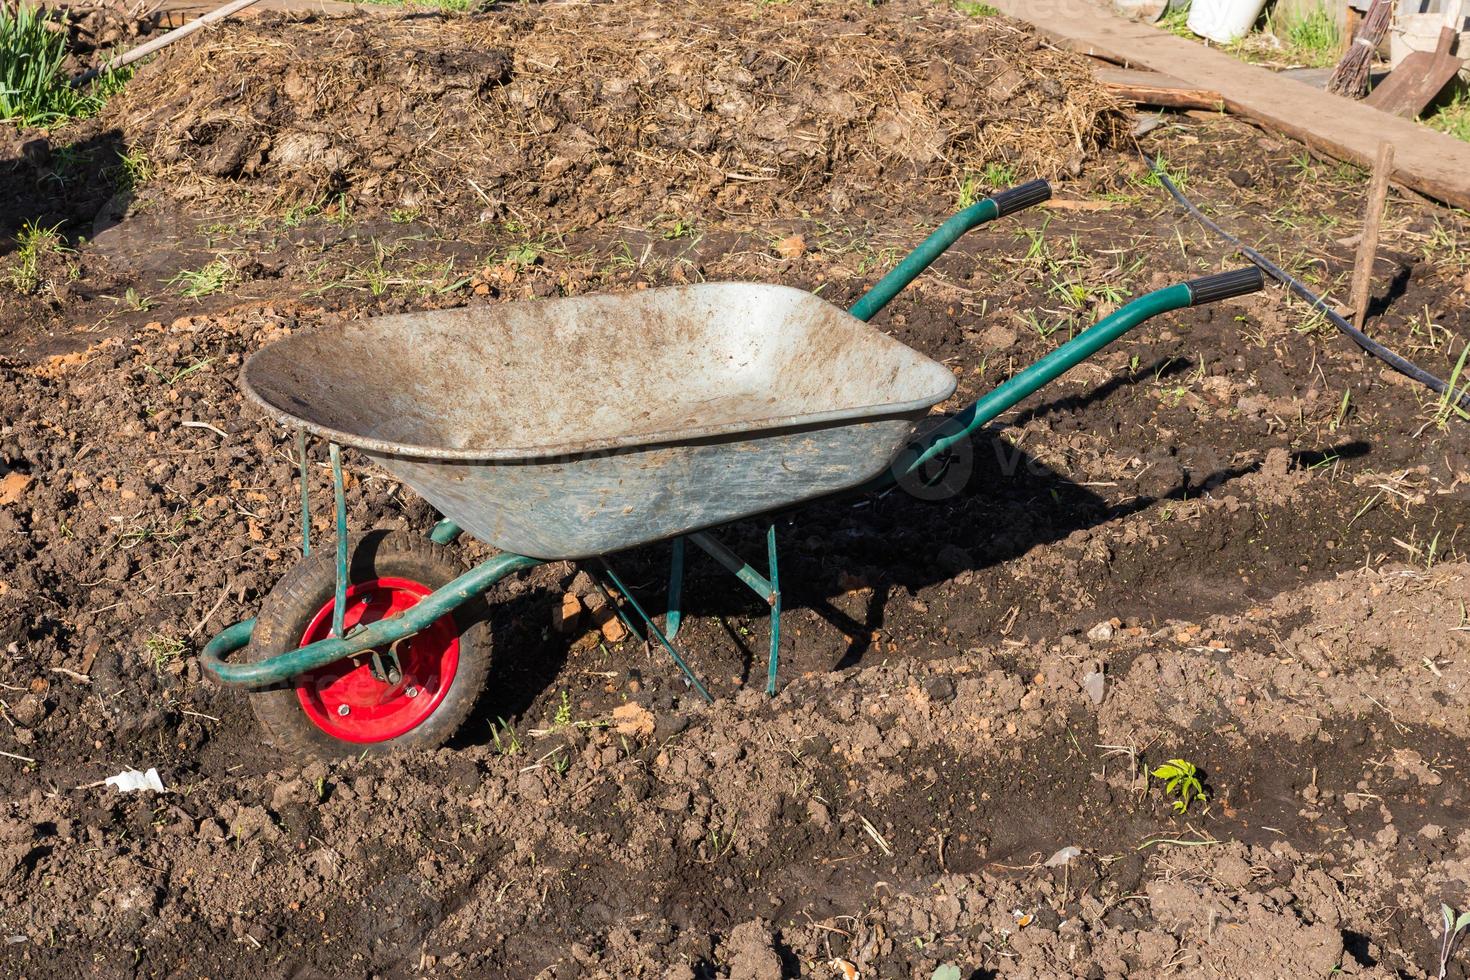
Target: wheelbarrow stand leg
(652,628)
(775,657)
(767,588)
(676,588)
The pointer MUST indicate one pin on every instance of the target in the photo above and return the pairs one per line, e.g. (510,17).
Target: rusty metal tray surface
(573,427)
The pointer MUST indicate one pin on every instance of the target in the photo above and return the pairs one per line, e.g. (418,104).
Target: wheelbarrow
(572,429)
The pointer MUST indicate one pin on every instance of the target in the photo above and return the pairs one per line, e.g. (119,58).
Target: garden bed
(1251,531)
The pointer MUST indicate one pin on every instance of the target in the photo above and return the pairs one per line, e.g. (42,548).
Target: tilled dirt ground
(1251,532)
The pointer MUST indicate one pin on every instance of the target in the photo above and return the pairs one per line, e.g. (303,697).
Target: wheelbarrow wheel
(413,697)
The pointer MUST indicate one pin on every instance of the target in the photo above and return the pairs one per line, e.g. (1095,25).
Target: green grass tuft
(448,6)
(33,242)
(1314,39)
(1456,390)
(1178,176)
(1453,117)
(1176,21)
(995,177)
(35,89)
(133,170)
(205,281)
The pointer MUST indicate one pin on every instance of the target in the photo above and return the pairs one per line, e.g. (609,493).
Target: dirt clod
(633,719)
(13,485)
(750,954)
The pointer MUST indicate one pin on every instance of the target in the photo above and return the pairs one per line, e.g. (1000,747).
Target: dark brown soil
(1251,530)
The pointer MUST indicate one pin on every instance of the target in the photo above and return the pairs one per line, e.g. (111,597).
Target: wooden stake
(1372,221)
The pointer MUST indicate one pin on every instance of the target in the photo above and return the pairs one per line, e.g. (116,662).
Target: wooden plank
(176,12)
(1154,88)
(1430,162)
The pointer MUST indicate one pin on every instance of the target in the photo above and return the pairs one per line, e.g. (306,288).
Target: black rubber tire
(288,611)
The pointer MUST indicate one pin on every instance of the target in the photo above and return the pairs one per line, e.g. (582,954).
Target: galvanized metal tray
(581,426)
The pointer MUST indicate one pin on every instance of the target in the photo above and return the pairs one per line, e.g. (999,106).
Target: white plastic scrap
(131,780)
(1095,685)
(1063,857)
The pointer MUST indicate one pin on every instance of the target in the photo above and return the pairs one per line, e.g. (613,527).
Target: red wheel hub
(347,700)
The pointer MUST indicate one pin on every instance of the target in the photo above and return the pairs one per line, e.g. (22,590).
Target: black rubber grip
(1021,197)
(1223,285)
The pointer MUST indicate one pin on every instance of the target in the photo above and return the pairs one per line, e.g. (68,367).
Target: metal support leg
(767,589)
(774,661)
(676,588)
(694,681)
(305,498)
(731,562)
(444,532)
(339,605)
(628,623)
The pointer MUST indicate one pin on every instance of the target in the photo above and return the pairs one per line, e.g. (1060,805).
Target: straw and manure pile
(629,109)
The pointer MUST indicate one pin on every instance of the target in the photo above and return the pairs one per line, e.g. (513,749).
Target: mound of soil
(624,109)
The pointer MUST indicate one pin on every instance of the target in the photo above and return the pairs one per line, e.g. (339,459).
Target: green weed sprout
(1181,779)
(1453,926)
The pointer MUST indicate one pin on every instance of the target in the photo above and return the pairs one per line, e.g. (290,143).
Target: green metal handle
(1196,292)
(961,425)
(1000,204)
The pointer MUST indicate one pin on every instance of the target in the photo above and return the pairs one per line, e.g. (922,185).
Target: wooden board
(1154,88)
(1418,79)
(1430,162)
(182,11)
(175,13)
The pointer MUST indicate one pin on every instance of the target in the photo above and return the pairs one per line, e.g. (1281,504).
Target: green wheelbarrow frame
(283,668)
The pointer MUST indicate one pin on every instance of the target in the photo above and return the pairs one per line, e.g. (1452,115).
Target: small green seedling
(1181,779)
(32,243)
(504,736)
(678,229)
(163,651)
(563,716)
(1454,393)
(1453,926)
(976,9)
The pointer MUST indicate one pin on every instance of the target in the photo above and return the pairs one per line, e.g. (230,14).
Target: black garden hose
(1273,270)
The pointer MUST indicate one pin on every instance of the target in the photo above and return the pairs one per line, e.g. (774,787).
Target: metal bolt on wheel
(350,699)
